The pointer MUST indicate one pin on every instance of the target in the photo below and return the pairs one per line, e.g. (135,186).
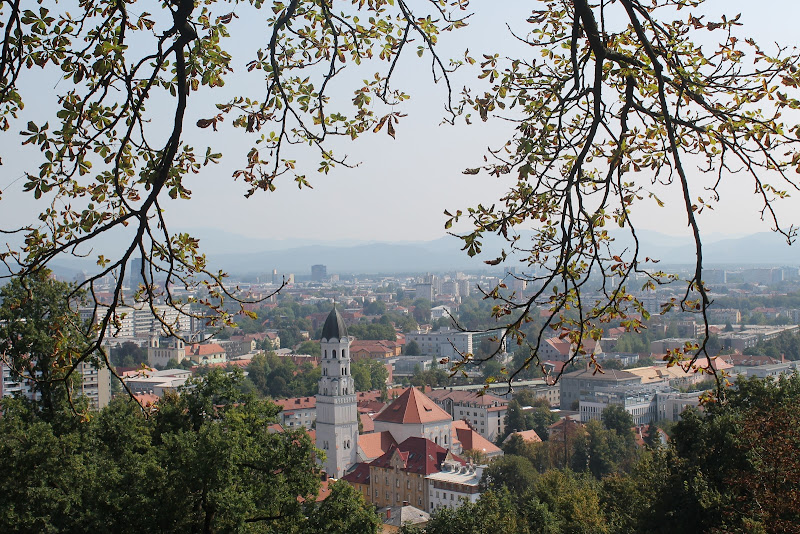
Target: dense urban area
(333,400)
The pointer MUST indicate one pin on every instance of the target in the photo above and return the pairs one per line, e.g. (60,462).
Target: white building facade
(337,414)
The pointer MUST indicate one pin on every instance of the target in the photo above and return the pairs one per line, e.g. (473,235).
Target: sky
(401,186)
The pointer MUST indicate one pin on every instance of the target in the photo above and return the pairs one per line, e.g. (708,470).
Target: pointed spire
(334,326)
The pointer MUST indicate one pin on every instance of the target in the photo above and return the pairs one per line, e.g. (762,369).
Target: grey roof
(403,515)
(334,326)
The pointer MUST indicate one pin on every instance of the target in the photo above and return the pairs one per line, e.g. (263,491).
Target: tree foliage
(204,461)
(41,336)
(369,374)
(613,102)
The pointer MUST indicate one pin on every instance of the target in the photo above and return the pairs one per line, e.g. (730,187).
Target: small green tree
(412,349)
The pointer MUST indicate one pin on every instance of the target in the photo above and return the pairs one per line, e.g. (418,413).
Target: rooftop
(413,407)
(334,326)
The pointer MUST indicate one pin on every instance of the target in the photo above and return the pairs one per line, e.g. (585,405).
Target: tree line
(732,468)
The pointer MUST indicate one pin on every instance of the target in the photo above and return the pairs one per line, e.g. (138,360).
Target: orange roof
(372,345)
(471,440)
(413,407)
(367,425)
(205,349)
(147,399)
(296,403)
(375,444)
(529,436)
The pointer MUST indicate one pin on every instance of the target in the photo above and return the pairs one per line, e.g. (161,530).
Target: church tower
(337,416)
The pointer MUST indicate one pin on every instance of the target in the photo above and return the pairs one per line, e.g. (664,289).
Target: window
(408,484)
(397,483)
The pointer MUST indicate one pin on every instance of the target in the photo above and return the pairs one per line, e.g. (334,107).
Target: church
(337,413)
(413,436)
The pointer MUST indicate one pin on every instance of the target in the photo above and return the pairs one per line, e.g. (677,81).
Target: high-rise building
(337,415)
(319,273)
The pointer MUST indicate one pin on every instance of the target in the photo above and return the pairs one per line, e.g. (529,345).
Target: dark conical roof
(334,326)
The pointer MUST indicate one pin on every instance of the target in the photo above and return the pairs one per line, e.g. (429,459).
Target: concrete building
(140,321)
(454,485)
(576,384)
(450,343)
(485,413)
(156,382)
(11,384)
(661,346)
(319,273)
(297,412)
(399,475)
(438,312)
(95,384)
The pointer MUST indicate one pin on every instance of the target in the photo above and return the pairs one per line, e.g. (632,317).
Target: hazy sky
(402,186)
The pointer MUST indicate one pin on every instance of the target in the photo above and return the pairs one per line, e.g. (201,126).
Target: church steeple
(337,416)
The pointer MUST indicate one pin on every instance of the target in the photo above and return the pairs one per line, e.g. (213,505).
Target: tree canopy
(203,461)
(612,102)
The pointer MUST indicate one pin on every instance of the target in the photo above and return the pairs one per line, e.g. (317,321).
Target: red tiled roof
(372,395)
(417,455)
(375,444)
(471,440)
(373,346)
(563,347)
(371,406)
(359,475)
(205,349)
(528,435)
(412,407)
(147,399)
(367,425)
(296,403)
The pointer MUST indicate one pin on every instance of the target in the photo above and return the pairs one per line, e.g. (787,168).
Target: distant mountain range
(240,255)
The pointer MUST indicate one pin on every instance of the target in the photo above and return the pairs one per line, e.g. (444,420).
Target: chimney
(405,503)
(388,513)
